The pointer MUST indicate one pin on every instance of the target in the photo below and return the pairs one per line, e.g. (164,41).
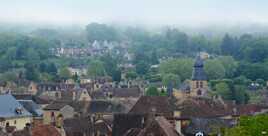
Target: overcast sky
(194,12)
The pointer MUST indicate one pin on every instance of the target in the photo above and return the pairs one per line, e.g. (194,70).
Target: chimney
(74,95)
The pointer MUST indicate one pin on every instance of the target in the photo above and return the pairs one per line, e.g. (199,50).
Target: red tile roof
(45,130)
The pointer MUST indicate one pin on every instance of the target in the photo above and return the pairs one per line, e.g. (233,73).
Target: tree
(241,80)
(177,41)
(152,91)
(257,51)
(253,71)
(171,79)
(131,75)
(224,90)
(214,69)
(154,58)
(229,64)
(180,67)
(228,45)
(8,76)
(65,73)
(32,55)
(101,32)
(96,69)
(142,67)
(240,94)
(75,77)
(52,69)
(261,82)
(31,72)
(116,75)
(163,93)
(250,126)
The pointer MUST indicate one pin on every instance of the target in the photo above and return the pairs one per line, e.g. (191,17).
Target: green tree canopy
(250,126)
(152,91)
(101,32)
(131,75)
(142,67)
(214,69)
(96,68)
(171,79)
(230,65)
(181,67)
(224,90)
(65,73)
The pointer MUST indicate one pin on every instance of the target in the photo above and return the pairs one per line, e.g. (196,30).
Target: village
(100,107)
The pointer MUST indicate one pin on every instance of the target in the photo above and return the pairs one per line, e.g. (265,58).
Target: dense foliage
(28,55)
(250,126)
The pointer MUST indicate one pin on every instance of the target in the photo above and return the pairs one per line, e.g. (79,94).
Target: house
(41,101)
(101,108)
(48,87)
(124,122)
(192,114)
(78,126)
(12,113)
(101,128)
(66,92)
(41,130)
(55,112)
(34,109)
(32,88)
(77,71)
(142,125)
(22,86)
(159,126)
(85,81)
(156,105)
(119,93)
(74,95)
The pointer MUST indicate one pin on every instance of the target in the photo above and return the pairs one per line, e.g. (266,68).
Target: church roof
(198,71)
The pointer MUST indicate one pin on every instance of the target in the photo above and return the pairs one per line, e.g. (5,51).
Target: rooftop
(11,108)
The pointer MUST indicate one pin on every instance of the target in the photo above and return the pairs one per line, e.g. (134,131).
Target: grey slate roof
(198,71)
(160,105)
(57,105)
(100,106)
(8,106)
(32,107)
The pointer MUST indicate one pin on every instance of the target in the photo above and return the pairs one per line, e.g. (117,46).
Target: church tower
(199,84)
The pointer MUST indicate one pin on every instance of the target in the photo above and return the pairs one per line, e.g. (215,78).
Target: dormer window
(18,110)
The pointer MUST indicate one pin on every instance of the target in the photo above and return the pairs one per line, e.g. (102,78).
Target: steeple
(199,78)
(198,70)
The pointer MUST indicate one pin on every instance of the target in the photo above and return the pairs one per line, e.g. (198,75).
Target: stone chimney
(74,95)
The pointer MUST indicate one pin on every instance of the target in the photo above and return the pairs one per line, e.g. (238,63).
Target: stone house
(56,112)
(12,113)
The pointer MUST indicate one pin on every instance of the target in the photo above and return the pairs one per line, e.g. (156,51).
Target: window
(15,122)
(199,92)
(7,124)
(197,84)
(52,114)
(201,84)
